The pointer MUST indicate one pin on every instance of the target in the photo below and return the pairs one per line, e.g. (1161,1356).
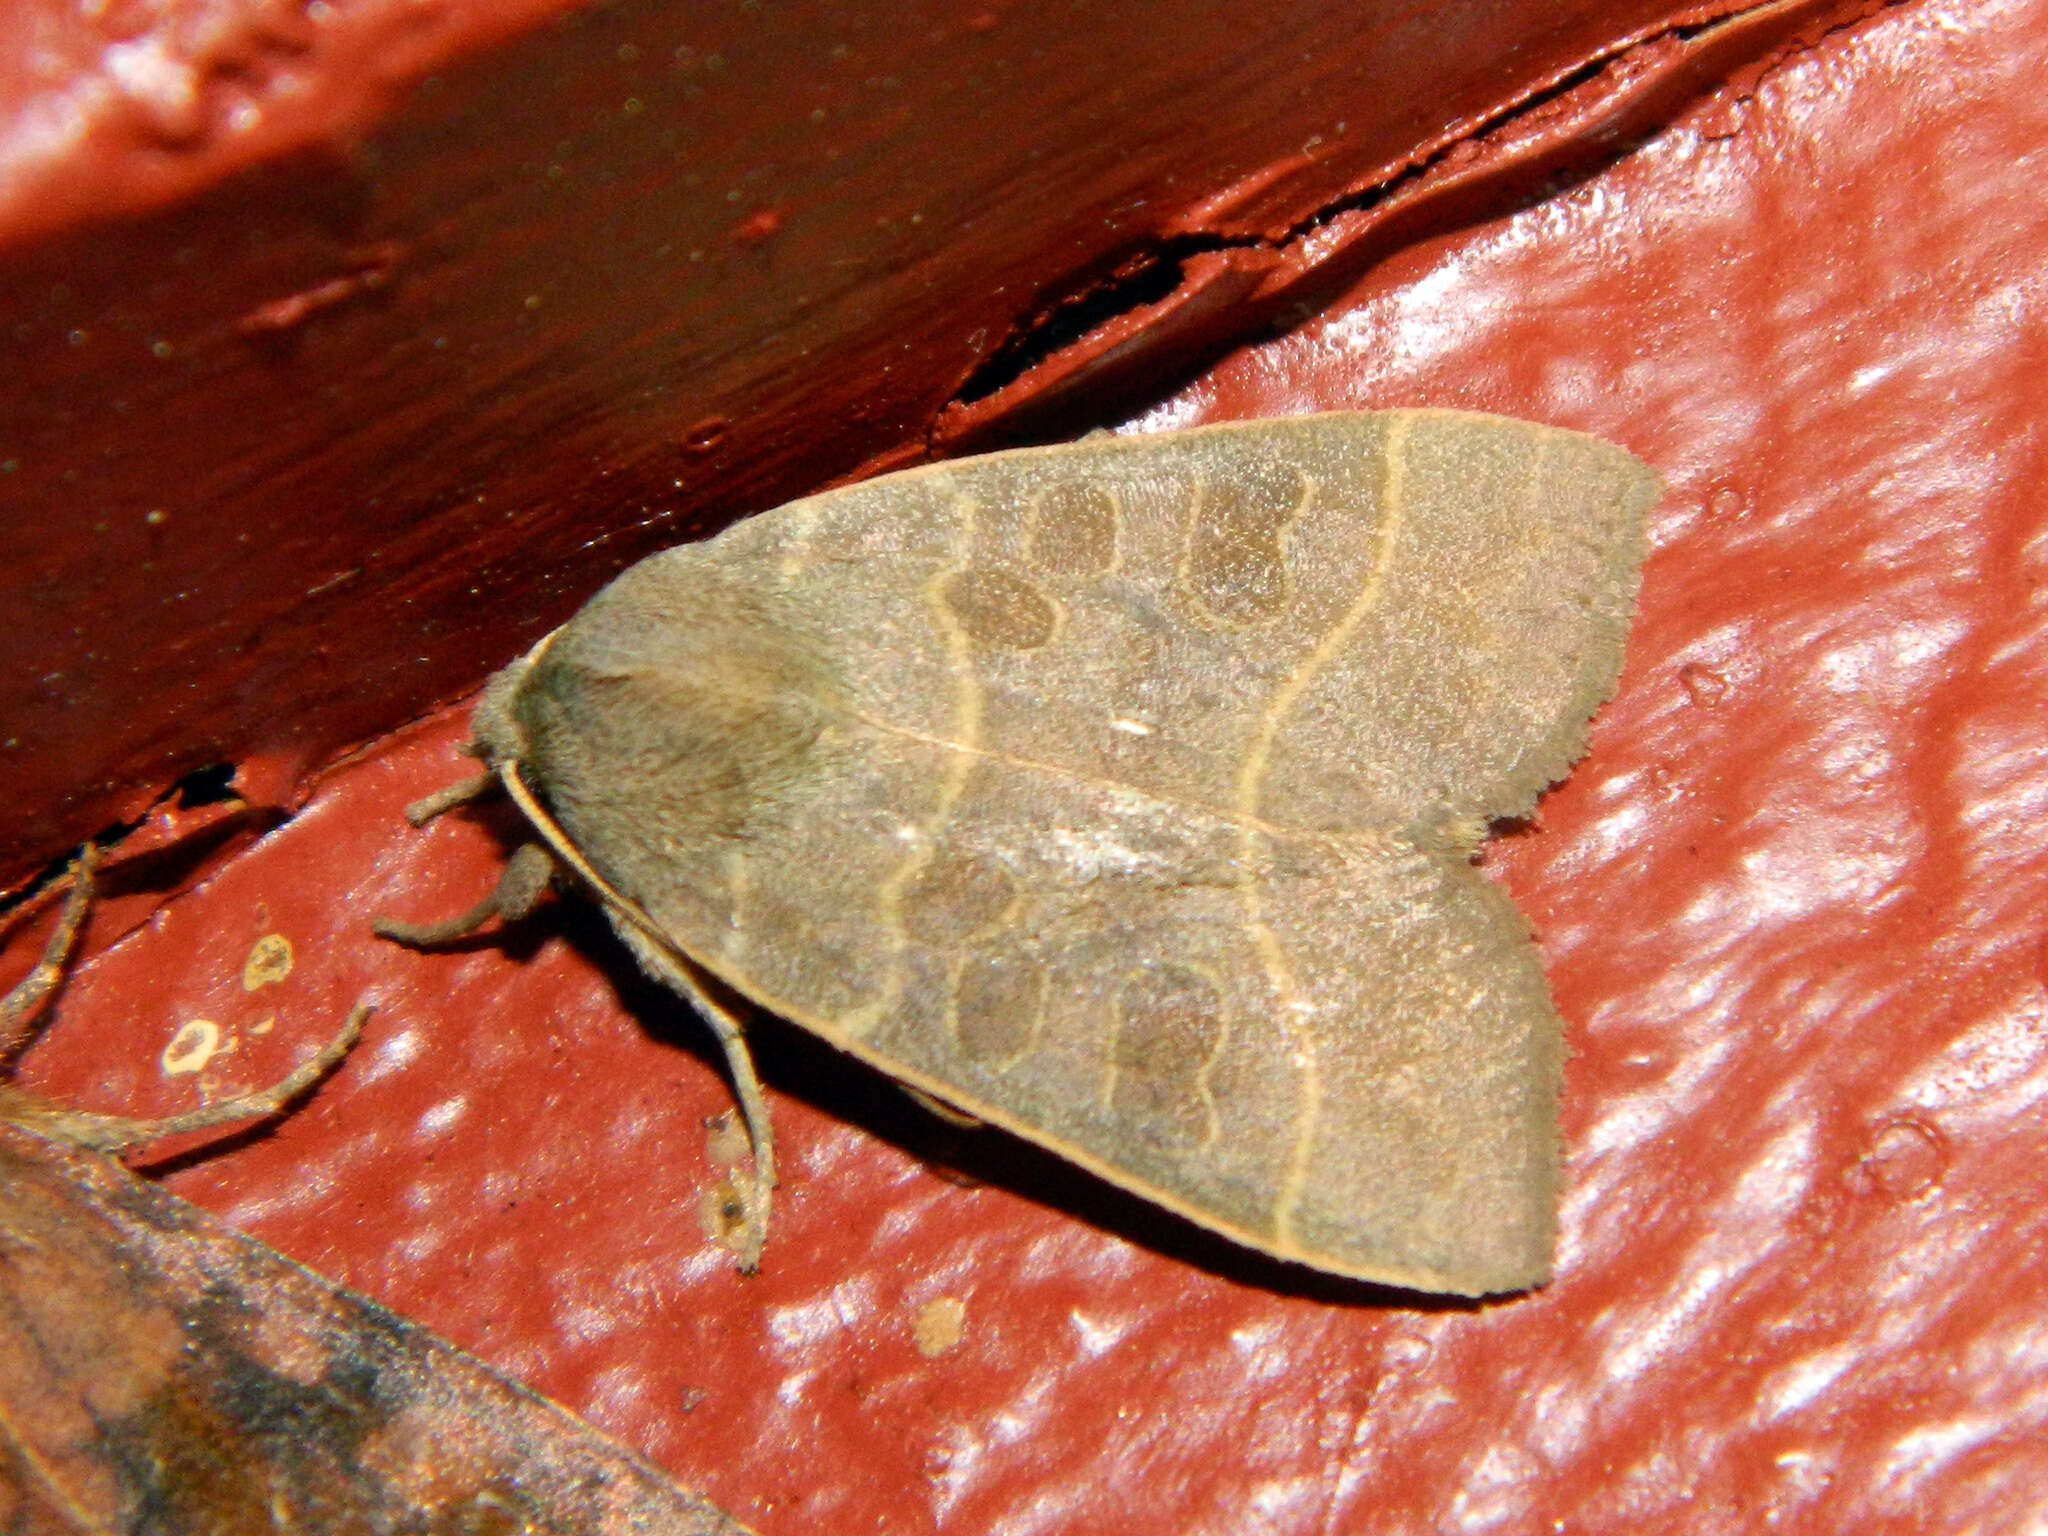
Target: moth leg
(746,1085)
(748,1243)
(24,1004)
(527,876)
(427,807)
(116,1133)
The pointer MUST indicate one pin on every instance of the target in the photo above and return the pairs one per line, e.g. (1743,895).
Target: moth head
(499,736)
(681,707)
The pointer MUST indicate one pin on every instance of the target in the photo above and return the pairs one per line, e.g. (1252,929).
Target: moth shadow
(799,1064)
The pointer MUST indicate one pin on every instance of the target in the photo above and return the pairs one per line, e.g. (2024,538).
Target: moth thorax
(678,746)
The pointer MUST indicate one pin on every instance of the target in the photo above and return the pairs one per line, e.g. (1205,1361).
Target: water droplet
(1905,1160)
(1726,501)
(1703,685)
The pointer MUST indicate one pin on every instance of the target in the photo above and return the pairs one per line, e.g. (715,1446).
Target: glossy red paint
(1790,902)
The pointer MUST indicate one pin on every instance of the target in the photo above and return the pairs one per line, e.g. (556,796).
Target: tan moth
(1123,794)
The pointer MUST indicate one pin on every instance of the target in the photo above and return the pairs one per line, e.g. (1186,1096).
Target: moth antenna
(528,873)
(23,1005)
(427,807)
(117,1133)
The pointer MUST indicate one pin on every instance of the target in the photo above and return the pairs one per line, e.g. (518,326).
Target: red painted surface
(1791,906)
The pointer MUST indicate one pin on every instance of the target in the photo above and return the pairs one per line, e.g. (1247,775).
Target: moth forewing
(1122,794)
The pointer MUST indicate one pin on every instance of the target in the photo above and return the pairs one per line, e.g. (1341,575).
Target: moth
(1123,795)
